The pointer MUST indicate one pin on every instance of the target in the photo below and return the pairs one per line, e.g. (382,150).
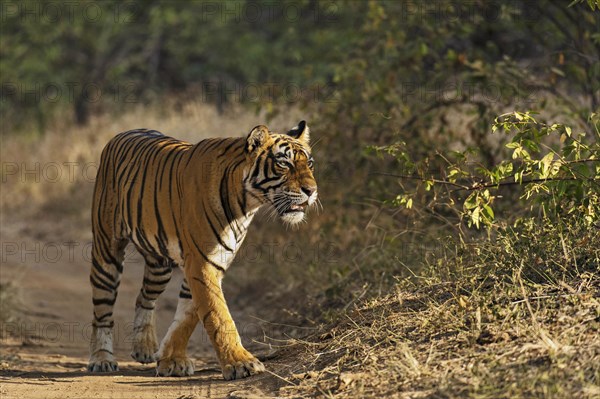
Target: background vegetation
(457,146)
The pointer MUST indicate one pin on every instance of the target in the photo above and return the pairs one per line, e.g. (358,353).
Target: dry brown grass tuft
(9,303)
(486,332)
(427,343)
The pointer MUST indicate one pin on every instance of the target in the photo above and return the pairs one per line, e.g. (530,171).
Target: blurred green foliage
(415,64)
(366,62)
(91,54)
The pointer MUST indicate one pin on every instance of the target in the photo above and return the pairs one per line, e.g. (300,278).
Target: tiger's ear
(301,132)
(257,138)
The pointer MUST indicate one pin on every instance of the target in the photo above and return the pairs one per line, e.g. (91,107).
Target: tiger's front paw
(102,362)
(242,364)
(175,367)
(144,345)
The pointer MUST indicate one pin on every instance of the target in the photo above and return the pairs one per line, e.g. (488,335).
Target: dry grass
(9,301)
(490,329)
(428,344)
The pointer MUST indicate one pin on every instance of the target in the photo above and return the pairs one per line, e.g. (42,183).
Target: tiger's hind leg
(105,275)
(171,359)
(157,274)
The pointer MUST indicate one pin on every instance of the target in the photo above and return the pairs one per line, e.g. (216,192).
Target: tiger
(188,206)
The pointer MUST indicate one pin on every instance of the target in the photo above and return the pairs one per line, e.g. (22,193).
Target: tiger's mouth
(294,213)
(297,208)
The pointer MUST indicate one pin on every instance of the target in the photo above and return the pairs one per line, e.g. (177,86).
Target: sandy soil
(41,373)
(44,355)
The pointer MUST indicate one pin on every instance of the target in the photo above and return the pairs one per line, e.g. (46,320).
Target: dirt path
(44,353)
(40,373)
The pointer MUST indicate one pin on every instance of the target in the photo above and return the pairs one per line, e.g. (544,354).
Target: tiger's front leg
(209,303)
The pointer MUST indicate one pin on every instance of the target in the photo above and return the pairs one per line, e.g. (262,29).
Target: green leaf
(471,201)
(475,217)
(488,212)
(545,165)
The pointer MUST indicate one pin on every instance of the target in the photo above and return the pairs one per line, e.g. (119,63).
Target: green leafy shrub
(556,170)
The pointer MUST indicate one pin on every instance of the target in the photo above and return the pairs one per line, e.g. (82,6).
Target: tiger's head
(282,171)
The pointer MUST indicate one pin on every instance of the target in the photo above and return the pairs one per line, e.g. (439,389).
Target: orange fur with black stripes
(187,205)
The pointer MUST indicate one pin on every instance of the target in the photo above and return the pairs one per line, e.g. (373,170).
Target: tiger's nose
(309,190)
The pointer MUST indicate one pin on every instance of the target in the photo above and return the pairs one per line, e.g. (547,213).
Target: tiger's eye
(282,163)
